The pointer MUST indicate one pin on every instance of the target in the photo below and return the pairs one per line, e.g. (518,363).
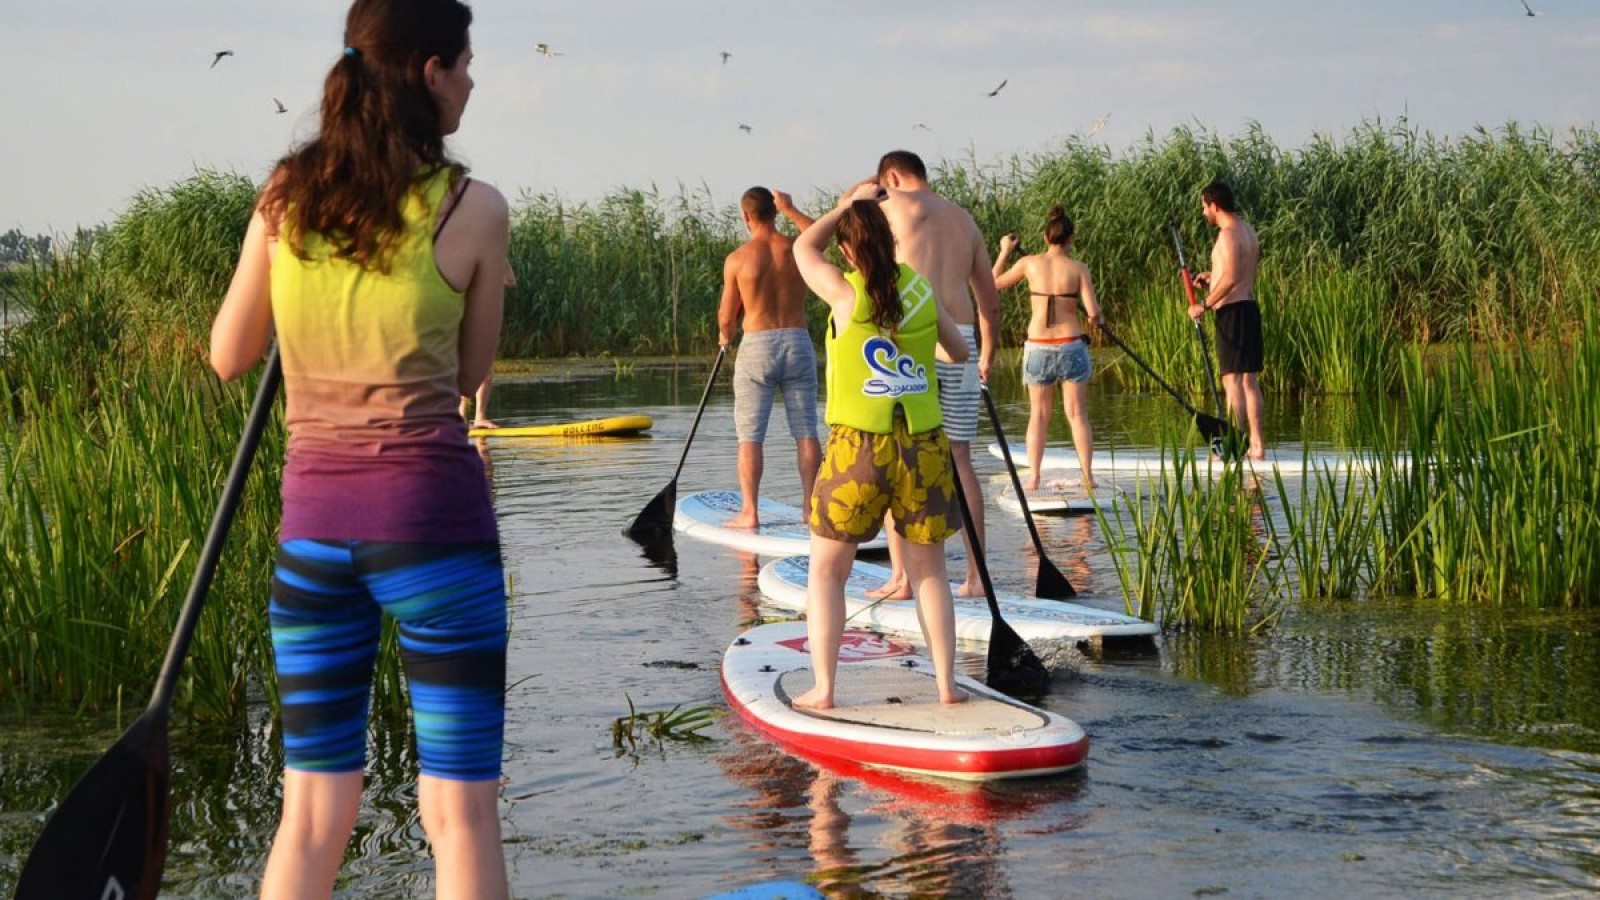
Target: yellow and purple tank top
(871,371)
(377,447)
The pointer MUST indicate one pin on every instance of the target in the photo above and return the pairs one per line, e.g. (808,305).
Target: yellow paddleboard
(616,425)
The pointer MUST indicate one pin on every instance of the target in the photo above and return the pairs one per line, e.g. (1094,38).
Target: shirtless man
(763,295)
(939,240)
(1230,293)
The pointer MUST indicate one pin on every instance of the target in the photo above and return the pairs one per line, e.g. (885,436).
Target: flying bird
(281,107)
(726,56)
(218,57)
(745,128)
(998,89)
(1528,9)
(1099,124)
(921,126)
(544,50)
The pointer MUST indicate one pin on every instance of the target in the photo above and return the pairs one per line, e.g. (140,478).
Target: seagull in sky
(726,56)
(922,126)
(998,89)
(545,51)
(746,128)
(1528,9)
(281,108)
(1099,124)
(218,57)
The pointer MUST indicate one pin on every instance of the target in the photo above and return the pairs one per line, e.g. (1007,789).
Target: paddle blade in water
(108,838)
(1051,584)
(1013,668)
(653,525)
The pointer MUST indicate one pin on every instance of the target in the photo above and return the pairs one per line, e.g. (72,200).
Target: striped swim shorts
(328,601)
(958,391)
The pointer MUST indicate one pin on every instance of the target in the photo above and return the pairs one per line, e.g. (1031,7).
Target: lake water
(1359,749)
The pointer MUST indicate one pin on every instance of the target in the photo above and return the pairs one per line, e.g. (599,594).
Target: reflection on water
(1363,749)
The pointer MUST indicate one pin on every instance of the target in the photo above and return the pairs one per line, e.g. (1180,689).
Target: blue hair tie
(349,51)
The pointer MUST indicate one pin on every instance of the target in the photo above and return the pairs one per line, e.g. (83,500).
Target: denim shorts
(1049,364)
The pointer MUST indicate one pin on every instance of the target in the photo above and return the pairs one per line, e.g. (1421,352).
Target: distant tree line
(16,247)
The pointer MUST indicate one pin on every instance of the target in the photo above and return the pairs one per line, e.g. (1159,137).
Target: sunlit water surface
(1360,749)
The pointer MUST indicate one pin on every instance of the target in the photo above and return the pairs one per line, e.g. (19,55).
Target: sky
(112,97)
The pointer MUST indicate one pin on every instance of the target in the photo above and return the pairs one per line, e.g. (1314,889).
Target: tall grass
(112,456)
(1499,501)
(1202,537)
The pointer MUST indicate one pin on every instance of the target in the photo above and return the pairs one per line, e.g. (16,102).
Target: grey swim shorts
(780,359)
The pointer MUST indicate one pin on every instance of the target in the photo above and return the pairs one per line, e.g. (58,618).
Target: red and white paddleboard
(887,712)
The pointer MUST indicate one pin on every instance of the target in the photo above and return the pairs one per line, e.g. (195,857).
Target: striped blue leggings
(328,600)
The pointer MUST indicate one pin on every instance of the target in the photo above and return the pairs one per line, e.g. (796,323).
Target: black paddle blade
(653,525)
(108,838)
(1226,441)
(1051,584)
(1014,669)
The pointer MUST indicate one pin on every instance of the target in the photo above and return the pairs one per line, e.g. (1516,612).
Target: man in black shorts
(1230,293)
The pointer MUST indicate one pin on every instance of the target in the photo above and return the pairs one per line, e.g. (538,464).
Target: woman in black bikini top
(1056,351)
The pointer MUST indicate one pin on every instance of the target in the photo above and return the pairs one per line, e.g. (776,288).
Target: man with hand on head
(941,242)
(764,296)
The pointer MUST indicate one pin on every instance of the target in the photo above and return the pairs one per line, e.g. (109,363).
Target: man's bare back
(939,240)
(1235,258)
(766,284)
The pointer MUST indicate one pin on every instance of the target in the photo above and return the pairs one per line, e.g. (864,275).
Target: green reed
(111,464)
(1202,537)
(105,511)
(1498,501)
(173,252)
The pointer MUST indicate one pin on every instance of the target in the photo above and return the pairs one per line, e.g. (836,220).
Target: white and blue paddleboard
(1151,463)
(887,712)
(1062,496)
(783,530)
(783,582)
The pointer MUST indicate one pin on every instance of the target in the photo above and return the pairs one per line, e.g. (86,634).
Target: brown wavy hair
(381,131)
(1057,227)
(864,229)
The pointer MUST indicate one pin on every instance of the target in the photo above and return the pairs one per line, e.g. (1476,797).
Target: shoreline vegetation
(1380,246)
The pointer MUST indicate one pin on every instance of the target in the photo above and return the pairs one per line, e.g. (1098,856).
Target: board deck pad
(783,530)
(1063,495)
(613,426)
(908,699)
(784,582)
(887,714)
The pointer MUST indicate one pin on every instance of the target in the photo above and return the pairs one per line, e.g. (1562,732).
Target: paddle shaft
(1151,372)
(1009,655)
(704,396)
(1199,330)
(217,535)
(1022,500)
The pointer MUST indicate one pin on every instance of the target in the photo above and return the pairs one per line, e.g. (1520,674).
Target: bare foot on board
(745,519)
(484,423)
(954,695)
(816,698)
(891,590)
(973,588)
(1032,484)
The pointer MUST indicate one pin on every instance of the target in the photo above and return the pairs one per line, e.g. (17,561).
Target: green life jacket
(871,371)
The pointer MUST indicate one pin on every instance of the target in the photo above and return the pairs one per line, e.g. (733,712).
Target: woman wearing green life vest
(886,450)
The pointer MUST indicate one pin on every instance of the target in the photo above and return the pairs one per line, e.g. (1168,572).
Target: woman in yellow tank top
(381,269)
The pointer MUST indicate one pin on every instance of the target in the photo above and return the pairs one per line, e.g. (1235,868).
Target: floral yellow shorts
(864,475)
